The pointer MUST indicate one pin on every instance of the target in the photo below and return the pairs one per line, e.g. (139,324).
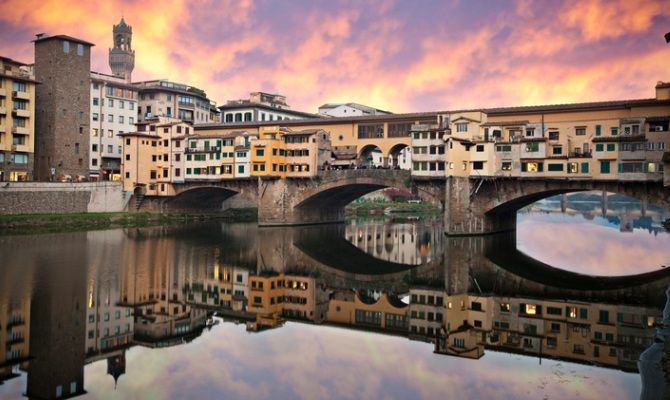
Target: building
(122,55)
(17,120)
(113,111)
(428,155)
(260,107)
(162,98)
(62,140)
(281,152)
(349,110)
(213,157)
(153,156)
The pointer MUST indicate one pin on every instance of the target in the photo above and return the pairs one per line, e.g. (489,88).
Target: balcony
(580,154)
(20,95)
(20,130)
(212,149)
(17,112)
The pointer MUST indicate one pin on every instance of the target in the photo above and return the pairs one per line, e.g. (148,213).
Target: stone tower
(122,56)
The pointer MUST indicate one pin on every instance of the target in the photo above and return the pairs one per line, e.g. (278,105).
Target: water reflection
(99,298)
(586,232)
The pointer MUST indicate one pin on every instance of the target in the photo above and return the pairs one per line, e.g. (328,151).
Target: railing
(212,149)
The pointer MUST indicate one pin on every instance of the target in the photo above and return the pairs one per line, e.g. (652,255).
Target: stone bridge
(322,199)
(476,206)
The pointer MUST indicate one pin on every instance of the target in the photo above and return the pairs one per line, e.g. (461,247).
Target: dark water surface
(365,310)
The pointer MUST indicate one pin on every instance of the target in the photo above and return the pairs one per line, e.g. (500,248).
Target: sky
(401,56)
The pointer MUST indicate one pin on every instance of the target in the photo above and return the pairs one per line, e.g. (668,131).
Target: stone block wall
(47,197)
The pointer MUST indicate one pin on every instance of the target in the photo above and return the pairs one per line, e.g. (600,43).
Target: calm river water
(369,309)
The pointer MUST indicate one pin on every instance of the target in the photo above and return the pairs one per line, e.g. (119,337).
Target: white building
(260,107)
(113,111)
(428,151)
(349,110)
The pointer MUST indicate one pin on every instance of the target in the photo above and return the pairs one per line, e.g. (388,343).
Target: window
(80,52)
(580,130)
(462,127)
(260,152)
(555,167)
(530,309)
(585,168)
(131,120)
(110,149)
(553,135)
(95,116)
(604,167)
(504,307)
(554,311)
(120,119)
(532,147)
(479,148)
(599,147)
(94,148)
(110,102)
(611,146)
(19,158)
(66,46)
(533,166)
(598,130)
(614,131)
(19,86)
(557,150)
(121,104)
(110,133)
(604,316)
(110,118)
(96,101)
(478,165)
(504,148)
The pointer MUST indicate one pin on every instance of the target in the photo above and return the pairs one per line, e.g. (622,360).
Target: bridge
(471,205)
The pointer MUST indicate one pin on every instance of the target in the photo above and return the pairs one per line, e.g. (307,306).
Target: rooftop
(41,37)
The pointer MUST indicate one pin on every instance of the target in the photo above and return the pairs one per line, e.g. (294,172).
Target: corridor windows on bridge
(370,131)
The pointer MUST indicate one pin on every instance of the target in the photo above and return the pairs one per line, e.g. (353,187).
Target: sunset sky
(402,56)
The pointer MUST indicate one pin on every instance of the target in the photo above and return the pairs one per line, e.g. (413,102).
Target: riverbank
(389,207)
(67,222)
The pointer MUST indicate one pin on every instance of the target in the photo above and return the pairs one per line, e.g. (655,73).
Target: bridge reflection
(158,287)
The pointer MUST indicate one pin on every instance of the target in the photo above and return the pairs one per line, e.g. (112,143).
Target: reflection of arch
(394,154)
(365,158)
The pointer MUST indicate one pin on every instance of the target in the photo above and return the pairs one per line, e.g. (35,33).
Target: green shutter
(597,130)
(585,168)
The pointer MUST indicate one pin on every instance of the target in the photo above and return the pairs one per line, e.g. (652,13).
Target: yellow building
(368,310)
(153,156)
(17,120)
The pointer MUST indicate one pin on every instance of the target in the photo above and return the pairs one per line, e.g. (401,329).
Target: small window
(80,49)
(66,46)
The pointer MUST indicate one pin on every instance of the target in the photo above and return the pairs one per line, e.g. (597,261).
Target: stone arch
(366,157)
(394,154)
(200,198)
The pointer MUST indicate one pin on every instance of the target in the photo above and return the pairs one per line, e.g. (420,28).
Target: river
(374,308)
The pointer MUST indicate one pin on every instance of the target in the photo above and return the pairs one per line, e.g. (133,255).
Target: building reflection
(159,287)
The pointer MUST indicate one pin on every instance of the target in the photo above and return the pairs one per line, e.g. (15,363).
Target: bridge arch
(480,206)
(200,198)
(366,157)
(322,200)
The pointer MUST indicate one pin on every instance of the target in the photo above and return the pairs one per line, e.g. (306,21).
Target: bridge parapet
(377,174)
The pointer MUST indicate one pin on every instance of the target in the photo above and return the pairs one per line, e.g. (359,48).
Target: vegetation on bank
(381,206)
(44,223)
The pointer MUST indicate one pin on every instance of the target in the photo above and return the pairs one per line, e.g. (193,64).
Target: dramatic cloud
(395,55)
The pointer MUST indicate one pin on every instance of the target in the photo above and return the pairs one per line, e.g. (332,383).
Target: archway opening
(371,157)
(400,157)
(201,199)
(595,232)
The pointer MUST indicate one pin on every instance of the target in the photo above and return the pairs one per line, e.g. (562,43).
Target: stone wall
(48,197)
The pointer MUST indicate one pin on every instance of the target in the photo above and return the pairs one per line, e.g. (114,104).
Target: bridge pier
(465,214)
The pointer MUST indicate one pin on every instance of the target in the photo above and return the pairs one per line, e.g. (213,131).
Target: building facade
(113,111)
(62,140)
(349,110)
(162,98)
(260,107)
(17,121)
